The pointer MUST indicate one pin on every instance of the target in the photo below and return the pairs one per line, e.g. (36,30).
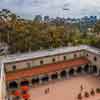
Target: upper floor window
(75,55)
(53,60)
(28,65)
(14,67)
(41,62)
(95,58)
(64,57)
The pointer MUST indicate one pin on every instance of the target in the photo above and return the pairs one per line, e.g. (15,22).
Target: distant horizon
(28,9)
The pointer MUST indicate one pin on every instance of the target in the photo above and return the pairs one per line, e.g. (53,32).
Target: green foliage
(98,90)
(26,35)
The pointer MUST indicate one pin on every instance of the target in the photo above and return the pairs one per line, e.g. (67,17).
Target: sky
(53,8)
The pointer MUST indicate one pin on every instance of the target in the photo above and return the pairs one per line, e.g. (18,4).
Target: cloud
(53,8)
(90,7)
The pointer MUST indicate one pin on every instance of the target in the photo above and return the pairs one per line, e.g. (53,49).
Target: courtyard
(67,89)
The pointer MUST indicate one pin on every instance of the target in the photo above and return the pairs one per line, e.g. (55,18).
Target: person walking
(47,90)
(81,87)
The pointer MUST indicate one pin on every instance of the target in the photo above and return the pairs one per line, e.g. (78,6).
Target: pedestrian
(45,91)
(48,90)
(81,87)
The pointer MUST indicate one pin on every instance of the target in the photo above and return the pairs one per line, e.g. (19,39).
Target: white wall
(47,60)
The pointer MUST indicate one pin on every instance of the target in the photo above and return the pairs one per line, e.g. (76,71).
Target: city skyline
(52,8)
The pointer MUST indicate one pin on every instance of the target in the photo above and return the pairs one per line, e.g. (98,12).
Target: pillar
(58,73)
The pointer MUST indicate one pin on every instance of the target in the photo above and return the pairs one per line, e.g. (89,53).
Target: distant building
(38,18)
(46,19)
(89,20)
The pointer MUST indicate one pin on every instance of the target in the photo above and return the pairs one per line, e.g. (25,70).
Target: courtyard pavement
(66,89)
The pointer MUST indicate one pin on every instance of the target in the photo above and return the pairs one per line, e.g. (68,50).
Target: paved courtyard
(66,89)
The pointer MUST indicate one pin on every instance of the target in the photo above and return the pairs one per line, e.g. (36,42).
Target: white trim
(44,53)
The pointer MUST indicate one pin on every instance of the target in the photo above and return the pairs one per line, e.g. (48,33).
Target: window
(53,60)
(75,55)
(28,65)
(87,55)
(64,57)
(95,58)
(41,62)
(14,67)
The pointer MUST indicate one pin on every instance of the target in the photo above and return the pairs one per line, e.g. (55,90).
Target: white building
(43,66)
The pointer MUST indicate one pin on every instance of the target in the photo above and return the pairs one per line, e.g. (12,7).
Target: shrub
(97,90)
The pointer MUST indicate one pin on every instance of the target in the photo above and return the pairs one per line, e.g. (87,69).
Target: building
(41,67)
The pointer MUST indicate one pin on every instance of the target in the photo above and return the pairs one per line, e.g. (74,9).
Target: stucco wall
(91,56)
(46,60)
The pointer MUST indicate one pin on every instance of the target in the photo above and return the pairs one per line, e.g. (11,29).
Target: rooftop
(49,52)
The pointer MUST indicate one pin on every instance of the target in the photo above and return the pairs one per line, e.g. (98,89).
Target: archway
(45,78)
(35,81)
(79,70)
(54,76)
(13,84)
(86,68)
(26,82)
(63,73)
(95,69)
(71,71)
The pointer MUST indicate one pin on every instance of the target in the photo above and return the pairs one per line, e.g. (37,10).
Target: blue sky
(53,8)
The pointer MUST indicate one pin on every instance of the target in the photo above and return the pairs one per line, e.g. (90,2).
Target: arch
(95,69)
(71,71)
(13,84)
(35,80)
(25,82)
(63,73)
(45,78)
(54,76)
(86,68)
(79,70)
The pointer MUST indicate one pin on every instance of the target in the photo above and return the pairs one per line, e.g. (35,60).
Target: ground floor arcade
(65,73)
(47,74)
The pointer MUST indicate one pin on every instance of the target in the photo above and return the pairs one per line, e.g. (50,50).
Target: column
(68,76)
(58,73)
(40,81)
(49,77)
(83,72)
(75,73)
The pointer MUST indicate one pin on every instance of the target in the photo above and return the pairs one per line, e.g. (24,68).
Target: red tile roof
(45,69)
